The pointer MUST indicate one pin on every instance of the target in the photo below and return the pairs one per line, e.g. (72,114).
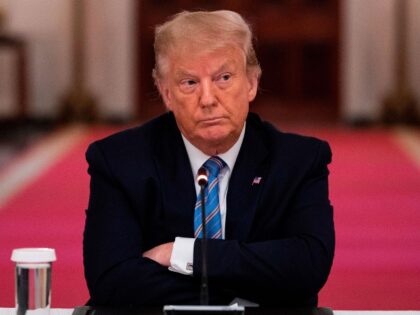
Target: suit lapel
(246,183)
(176,178)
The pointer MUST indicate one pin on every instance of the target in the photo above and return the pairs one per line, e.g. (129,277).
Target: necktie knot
(213,165)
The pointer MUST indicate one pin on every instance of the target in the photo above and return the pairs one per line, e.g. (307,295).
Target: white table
(54,311)
(377,312)
(67,311)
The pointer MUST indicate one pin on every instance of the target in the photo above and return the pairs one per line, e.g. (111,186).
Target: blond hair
(206,31)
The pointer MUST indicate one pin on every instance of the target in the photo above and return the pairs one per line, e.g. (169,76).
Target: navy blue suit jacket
(279,242)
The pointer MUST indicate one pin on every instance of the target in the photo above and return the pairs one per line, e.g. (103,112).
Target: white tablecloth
(54,311)
(64,311)
(377,312)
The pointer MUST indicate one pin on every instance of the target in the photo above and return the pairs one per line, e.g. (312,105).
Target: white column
(367,56)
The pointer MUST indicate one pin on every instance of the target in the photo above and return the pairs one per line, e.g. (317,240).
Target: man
(270,220)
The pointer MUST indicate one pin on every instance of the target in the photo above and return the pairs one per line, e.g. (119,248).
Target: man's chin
(215,134)
(219,137)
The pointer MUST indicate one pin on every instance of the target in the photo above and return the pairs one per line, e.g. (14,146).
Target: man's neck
(216,147)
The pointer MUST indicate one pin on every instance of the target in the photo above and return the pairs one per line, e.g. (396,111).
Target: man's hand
(161,254)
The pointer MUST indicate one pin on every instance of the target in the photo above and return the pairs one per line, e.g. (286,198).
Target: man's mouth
(212,121)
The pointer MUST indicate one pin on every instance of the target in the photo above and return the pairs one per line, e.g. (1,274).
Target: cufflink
(189,267)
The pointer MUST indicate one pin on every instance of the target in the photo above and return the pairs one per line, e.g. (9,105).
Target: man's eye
(188,83)
(225,77)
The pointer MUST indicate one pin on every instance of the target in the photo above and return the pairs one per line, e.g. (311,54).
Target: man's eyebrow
(224,67)
(183,73)
(186,73)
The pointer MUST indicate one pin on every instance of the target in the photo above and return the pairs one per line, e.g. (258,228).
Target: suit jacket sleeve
(292,265)
(115,271)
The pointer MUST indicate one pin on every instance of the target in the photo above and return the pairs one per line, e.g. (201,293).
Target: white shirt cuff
(182,255)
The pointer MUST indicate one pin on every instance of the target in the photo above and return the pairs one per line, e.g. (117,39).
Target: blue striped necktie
(213,219)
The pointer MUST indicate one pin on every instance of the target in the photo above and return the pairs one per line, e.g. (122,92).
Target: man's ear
(164,93)
(253,80)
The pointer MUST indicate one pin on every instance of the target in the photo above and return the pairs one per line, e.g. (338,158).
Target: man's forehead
(217,60)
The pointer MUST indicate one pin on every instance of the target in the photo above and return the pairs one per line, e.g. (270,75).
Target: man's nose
(207,97)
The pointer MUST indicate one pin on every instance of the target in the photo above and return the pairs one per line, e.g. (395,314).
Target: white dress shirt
(183,249)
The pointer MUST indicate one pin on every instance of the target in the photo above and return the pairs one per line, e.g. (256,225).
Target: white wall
(110,55)
(368,55)
(367,52)
(46,25)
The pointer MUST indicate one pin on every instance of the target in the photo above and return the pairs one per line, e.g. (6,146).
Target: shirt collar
(198,158)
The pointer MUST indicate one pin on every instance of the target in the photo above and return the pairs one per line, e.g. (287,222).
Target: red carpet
(375,189)
(50,213)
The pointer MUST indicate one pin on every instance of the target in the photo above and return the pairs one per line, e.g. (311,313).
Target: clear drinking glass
(33,280)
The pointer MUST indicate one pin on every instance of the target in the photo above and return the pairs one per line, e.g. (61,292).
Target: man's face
(209,94)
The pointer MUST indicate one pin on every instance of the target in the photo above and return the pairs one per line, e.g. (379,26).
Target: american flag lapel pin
(256,181)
